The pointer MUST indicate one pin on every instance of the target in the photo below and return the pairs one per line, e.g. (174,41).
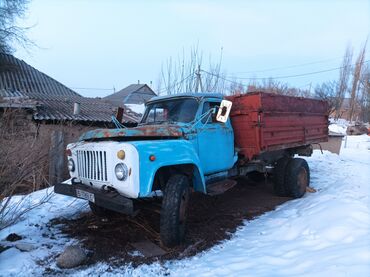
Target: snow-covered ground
(338,127)
(326,233)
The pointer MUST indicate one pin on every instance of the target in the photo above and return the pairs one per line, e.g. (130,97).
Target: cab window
(212,117)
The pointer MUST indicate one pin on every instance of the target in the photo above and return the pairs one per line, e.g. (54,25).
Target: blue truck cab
(179,146)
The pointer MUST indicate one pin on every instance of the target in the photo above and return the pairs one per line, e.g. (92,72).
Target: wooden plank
(56,157)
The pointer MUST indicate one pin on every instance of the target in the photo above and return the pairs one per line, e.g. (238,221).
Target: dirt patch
(210,220)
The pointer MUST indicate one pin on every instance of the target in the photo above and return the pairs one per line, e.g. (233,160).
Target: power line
(285,67)
(280,77)
(291,66)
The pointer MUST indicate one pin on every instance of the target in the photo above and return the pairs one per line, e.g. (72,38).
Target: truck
(195,142)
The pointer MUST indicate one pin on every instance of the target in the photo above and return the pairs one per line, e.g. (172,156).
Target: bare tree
(364,94)
(328,92)
(10,34)
(23,163)
(344,76)
(187,74)
(356,81)
(236,87)
(267,85)
(271,85)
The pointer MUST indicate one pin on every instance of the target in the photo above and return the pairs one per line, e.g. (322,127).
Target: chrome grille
(92,165)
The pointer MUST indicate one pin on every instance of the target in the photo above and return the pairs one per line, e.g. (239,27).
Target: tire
(297,177)
(174,210)
(100,211)
(279,176)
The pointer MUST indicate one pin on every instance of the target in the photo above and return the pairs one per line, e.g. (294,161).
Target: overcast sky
(106,44)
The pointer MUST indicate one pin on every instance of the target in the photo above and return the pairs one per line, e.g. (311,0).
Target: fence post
(56,157)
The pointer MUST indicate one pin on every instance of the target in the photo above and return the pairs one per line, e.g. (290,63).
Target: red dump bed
(267,122)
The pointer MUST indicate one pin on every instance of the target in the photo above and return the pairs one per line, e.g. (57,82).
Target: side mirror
(224,111)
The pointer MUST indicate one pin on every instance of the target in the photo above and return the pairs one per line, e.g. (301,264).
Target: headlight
(121,171)
(71,165)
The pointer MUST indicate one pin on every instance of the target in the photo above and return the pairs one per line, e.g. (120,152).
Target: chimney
(76,108)
(138,82)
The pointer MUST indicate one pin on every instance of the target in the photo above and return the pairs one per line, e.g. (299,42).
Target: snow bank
(338,126)
(326,233)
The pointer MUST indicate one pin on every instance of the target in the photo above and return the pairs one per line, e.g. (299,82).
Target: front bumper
(110,200)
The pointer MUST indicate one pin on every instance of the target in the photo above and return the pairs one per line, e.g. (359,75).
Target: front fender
(167,153)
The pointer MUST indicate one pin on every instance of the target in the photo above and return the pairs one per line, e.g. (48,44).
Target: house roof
(16,75)
(22,86)
(133,94)
(91,109)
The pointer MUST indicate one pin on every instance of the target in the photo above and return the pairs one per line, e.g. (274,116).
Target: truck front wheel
(297,177)
(174,210)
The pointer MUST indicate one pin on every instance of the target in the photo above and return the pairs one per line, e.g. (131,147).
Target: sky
(95,47)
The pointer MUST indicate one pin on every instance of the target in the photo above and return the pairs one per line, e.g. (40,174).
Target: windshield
(170,111)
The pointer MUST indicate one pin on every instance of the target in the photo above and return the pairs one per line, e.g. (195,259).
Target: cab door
(215,141)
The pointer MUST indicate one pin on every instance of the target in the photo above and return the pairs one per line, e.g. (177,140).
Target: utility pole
(199,80)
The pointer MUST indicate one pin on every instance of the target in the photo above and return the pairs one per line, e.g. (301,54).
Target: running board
(220,187)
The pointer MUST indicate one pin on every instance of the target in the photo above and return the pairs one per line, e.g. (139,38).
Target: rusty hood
(147,131)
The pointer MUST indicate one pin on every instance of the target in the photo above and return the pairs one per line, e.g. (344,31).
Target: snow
(338,126)
(326,233)
(358,143)
(335,128)
(47,241)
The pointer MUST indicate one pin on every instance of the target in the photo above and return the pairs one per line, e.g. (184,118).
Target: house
(133,94)
(39,116)
(52,102)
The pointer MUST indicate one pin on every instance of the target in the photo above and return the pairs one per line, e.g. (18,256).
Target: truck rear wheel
(279,176)
(174,210)
(297,177)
